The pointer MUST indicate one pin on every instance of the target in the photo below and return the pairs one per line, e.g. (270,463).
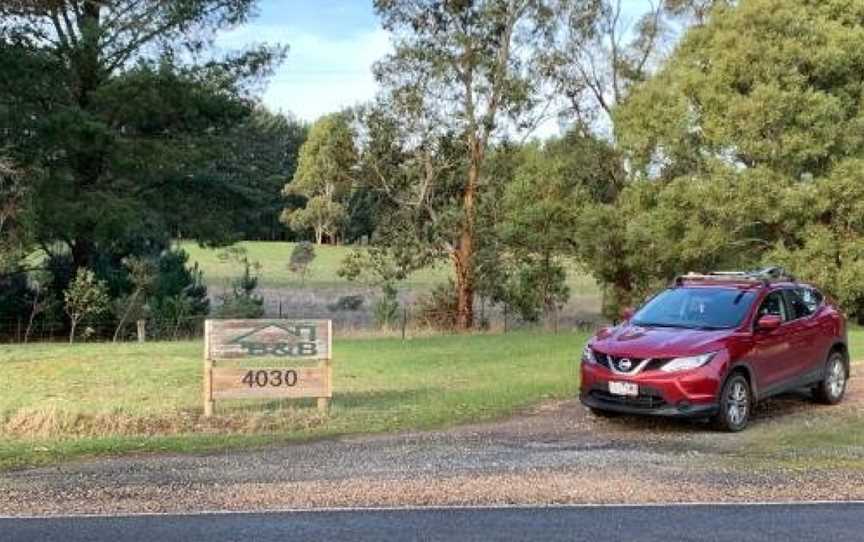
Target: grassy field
(60,402)
(274,256)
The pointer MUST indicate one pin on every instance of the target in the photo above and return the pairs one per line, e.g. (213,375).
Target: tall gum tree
(324,177)
(463,70)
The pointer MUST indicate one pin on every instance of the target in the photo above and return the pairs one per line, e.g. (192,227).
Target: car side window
(797,306)
(812,298)
(775,305)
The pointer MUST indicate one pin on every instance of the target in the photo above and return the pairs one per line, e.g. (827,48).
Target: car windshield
(696,308)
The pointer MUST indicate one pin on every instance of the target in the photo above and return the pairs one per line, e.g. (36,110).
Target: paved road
(838,522)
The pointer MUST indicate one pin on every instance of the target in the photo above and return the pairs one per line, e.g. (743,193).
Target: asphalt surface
(837,522)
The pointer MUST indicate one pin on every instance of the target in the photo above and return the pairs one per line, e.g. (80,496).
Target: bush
(386,308)
(241,307)
(347,303)
(179,302)
(242,301)
(86,296)
(302,255)
(439,308)
(537,289)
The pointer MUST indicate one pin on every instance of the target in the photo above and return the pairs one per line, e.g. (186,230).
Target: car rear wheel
(831,390)
(736,403)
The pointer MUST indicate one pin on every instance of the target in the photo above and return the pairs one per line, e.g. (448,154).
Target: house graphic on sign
(279,340)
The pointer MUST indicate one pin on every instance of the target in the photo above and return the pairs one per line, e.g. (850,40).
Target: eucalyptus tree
(461,74)
(324,177)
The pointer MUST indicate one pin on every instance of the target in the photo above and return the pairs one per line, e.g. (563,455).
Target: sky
(332,46)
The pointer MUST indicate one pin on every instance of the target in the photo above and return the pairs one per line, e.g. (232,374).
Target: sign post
(228,342)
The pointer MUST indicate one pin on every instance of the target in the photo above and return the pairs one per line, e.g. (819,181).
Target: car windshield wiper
(658,324)
(704,327)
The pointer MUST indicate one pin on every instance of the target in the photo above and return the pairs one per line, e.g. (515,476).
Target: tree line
(704,134)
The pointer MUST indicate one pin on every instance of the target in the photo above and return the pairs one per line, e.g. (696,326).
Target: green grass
(273,257)
(856,343)
(824,437)
(61,402)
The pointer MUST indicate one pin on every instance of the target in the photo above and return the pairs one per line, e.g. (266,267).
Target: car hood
(658,342)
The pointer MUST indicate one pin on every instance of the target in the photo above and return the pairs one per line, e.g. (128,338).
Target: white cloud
(321,73)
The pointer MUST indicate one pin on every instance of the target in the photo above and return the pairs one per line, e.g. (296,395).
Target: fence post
(404,320)
(557,322)
(208,373)
(327,364)
(505,317)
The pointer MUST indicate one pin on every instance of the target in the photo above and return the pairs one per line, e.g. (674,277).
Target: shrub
(439,308)
(242,302)
(178,302)
(386,308)
(301,256)
(347,303)
(85,297)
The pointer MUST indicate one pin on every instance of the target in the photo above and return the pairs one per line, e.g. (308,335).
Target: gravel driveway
(556,453)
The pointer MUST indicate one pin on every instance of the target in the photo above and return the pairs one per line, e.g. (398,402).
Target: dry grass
(53,423)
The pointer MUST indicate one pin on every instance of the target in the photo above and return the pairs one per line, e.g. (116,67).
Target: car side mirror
(768,322)
(626,314)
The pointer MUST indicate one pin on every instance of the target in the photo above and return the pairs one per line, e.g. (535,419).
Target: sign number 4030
(275,379)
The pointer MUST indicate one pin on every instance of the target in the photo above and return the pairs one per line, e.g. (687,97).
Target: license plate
(623,388)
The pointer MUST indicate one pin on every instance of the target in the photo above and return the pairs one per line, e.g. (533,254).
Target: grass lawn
(821,437)
(273,257)
(60,402)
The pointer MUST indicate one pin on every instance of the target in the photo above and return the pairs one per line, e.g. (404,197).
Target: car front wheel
(736,403)
(831,390)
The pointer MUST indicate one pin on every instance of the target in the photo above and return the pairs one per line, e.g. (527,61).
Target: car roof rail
(764,276)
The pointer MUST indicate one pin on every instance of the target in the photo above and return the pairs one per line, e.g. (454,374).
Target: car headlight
(689,362)
(588,355)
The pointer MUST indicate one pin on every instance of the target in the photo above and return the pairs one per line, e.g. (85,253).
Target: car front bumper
(666,410)
(686,394)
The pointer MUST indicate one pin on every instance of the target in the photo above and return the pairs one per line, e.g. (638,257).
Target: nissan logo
(625,364)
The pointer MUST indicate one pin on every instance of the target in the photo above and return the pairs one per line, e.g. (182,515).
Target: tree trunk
(72,332)
(319,236)
(463,257)
(33,312)
(125,315)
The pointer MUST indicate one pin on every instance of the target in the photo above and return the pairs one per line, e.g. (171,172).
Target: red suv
(711,346)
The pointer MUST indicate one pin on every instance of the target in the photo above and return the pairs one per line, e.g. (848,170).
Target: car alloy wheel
(836,378)
(831,390)
(738,403)
(735,404)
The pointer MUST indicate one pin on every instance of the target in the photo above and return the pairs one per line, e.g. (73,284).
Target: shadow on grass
(781,407)
(385,399)
(380,400)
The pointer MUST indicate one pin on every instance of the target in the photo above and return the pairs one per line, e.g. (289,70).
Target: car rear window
(696,308)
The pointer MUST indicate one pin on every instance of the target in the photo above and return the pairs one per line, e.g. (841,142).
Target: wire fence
(409,319)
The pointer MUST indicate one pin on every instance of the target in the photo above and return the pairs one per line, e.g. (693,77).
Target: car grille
(647,399)
(614,362)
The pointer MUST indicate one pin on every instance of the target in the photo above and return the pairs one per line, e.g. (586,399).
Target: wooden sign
(227,342)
